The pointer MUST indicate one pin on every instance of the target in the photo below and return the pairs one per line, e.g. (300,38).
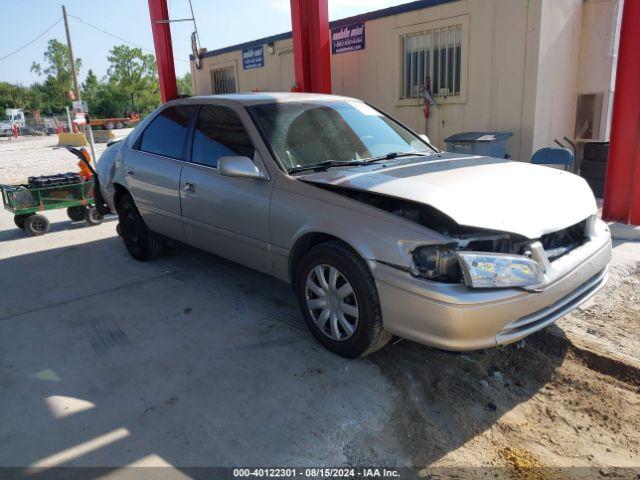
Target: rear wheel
(36,225)
(19,221)
(93,217)
(339,301)
(76,214)
(142,243)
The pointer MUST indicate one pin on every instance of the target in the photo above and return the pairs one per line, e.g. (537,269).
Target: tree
(133,73)
(184,85)
(90,88)
(18,96)
(57,69)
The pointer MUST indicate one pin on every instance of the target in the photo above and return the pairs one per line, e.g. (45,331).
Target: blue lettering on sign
(252,57)
(347,39)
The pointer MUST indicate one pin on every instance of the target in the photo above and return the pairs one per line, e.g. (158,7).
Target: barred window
(223,80)
(436,54)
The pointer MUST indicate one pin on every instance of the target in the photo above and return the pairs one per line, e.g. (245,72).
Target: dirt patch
(519,409)
(610,323)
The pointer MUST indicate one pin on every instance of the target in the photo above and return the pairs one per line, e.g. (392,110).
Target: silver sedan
(378,232)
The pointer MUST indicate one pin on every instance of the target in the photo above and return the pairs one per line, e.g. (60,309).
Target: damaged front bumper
(455,317)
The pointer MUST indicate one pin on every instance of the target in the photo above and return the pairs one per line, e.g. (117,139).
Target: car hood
(481,192)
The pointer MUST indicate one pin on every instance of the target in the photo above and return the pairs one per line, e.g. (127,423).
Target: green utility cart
(71,191)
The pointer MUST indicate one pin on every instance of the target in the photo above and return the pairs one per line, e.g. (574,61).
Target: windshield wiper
(321,166)
(392,155)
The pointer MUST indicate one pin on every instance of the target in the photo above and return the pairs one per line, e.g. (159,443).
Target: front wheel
(339,301)
(36,225)
(142,243)
(93,217)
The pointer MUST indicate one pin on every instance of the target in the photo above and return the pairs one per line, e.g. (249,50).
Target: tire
(593,170)
(119,125)
(597,186)
(93,217)
(36,225)
(109,126)
(141,243)
(368,334)
(596,152)
(76,214)
(19,220)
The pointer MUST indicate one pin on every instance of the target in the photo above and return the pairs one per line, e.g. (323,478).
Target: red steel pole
(300,34)
(311,45)
(161,30)
(622,182)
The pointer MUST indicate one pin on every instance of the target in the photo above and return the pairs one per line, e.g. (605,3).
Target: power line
(118,37)
(32,41)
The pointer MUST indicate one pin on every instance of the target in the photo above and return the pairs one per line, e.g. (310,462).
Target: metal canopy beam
(311,45)
(161,29)
(622,183)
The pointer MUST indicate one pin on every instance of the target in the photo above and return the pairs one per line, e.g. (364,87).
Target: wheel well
(306,243)
(119,191)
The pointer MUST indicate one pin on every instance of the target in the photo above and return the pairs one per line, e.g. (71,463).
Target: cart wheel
(93,217)
(36,224)
(19,220)
(76,214)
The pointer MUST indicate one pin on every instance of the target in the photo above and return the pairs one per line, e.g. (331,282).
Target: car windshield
(302,134)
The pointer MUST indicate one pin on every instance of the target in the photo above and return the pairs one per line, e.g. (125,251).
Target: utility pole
(73,62)
(75,83)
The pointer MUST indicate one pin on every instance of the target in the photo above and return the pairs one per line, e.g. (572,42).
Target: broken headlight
(491,270)
(436,262)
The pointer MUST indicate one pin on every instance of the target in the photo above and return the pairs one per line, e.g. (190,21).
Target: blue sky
(220,23)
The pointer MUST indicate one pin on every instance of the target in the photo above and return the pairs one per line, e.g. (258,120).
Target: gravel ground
(30,156)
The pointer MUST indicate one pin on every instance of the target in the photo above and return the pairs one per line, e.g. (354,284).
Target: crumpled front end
(453,316)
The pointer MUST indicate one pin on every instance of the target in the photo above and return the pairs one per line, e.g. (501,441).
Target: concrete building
(542,69)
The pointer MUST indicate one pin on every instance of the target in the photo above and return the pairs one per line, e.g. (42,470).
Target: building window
(223,80)
(436,54)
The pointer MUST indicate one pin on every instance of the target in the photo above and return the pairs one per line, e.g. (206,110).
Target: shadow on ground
(201,362)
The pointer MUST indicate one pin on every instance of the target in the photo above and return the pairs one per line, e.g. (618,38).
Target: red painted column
(161,30)
(311,45)
(622,183)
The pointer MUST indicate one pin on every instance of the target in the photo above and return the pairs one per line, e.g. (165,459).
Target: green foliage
(131,84)
(184,85)
(58,76)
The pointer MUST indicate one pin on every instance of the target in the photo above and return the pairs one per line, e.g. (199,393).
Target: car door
(152,170)
(228,216)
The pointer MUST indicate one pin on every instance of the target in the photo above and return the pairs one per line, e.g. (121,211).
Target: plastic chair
(553,156)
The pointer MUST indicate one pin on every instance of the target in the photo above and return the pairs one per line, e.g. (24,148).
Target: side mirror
(242,167)
(425,138)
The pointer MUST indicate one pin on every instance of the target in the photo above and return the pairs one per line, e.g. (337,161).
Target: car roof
(252,98)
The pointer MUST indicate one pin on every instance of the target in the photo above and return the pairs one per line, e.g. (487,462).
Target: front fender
(374,234)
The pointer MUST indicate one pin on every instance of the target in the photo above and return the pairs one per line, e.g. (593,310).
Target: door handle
(189,187)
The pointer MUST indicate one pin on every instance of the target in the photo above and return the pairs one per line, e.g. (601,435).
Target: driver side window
(219,133)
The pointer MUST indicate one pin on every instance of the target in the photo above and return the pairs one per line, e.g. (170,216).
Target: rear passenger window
(167,133)
(219,133)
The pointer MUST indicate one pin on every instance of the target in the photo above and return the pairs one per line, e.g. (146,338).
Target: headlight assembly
(491,270)
(436,262)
